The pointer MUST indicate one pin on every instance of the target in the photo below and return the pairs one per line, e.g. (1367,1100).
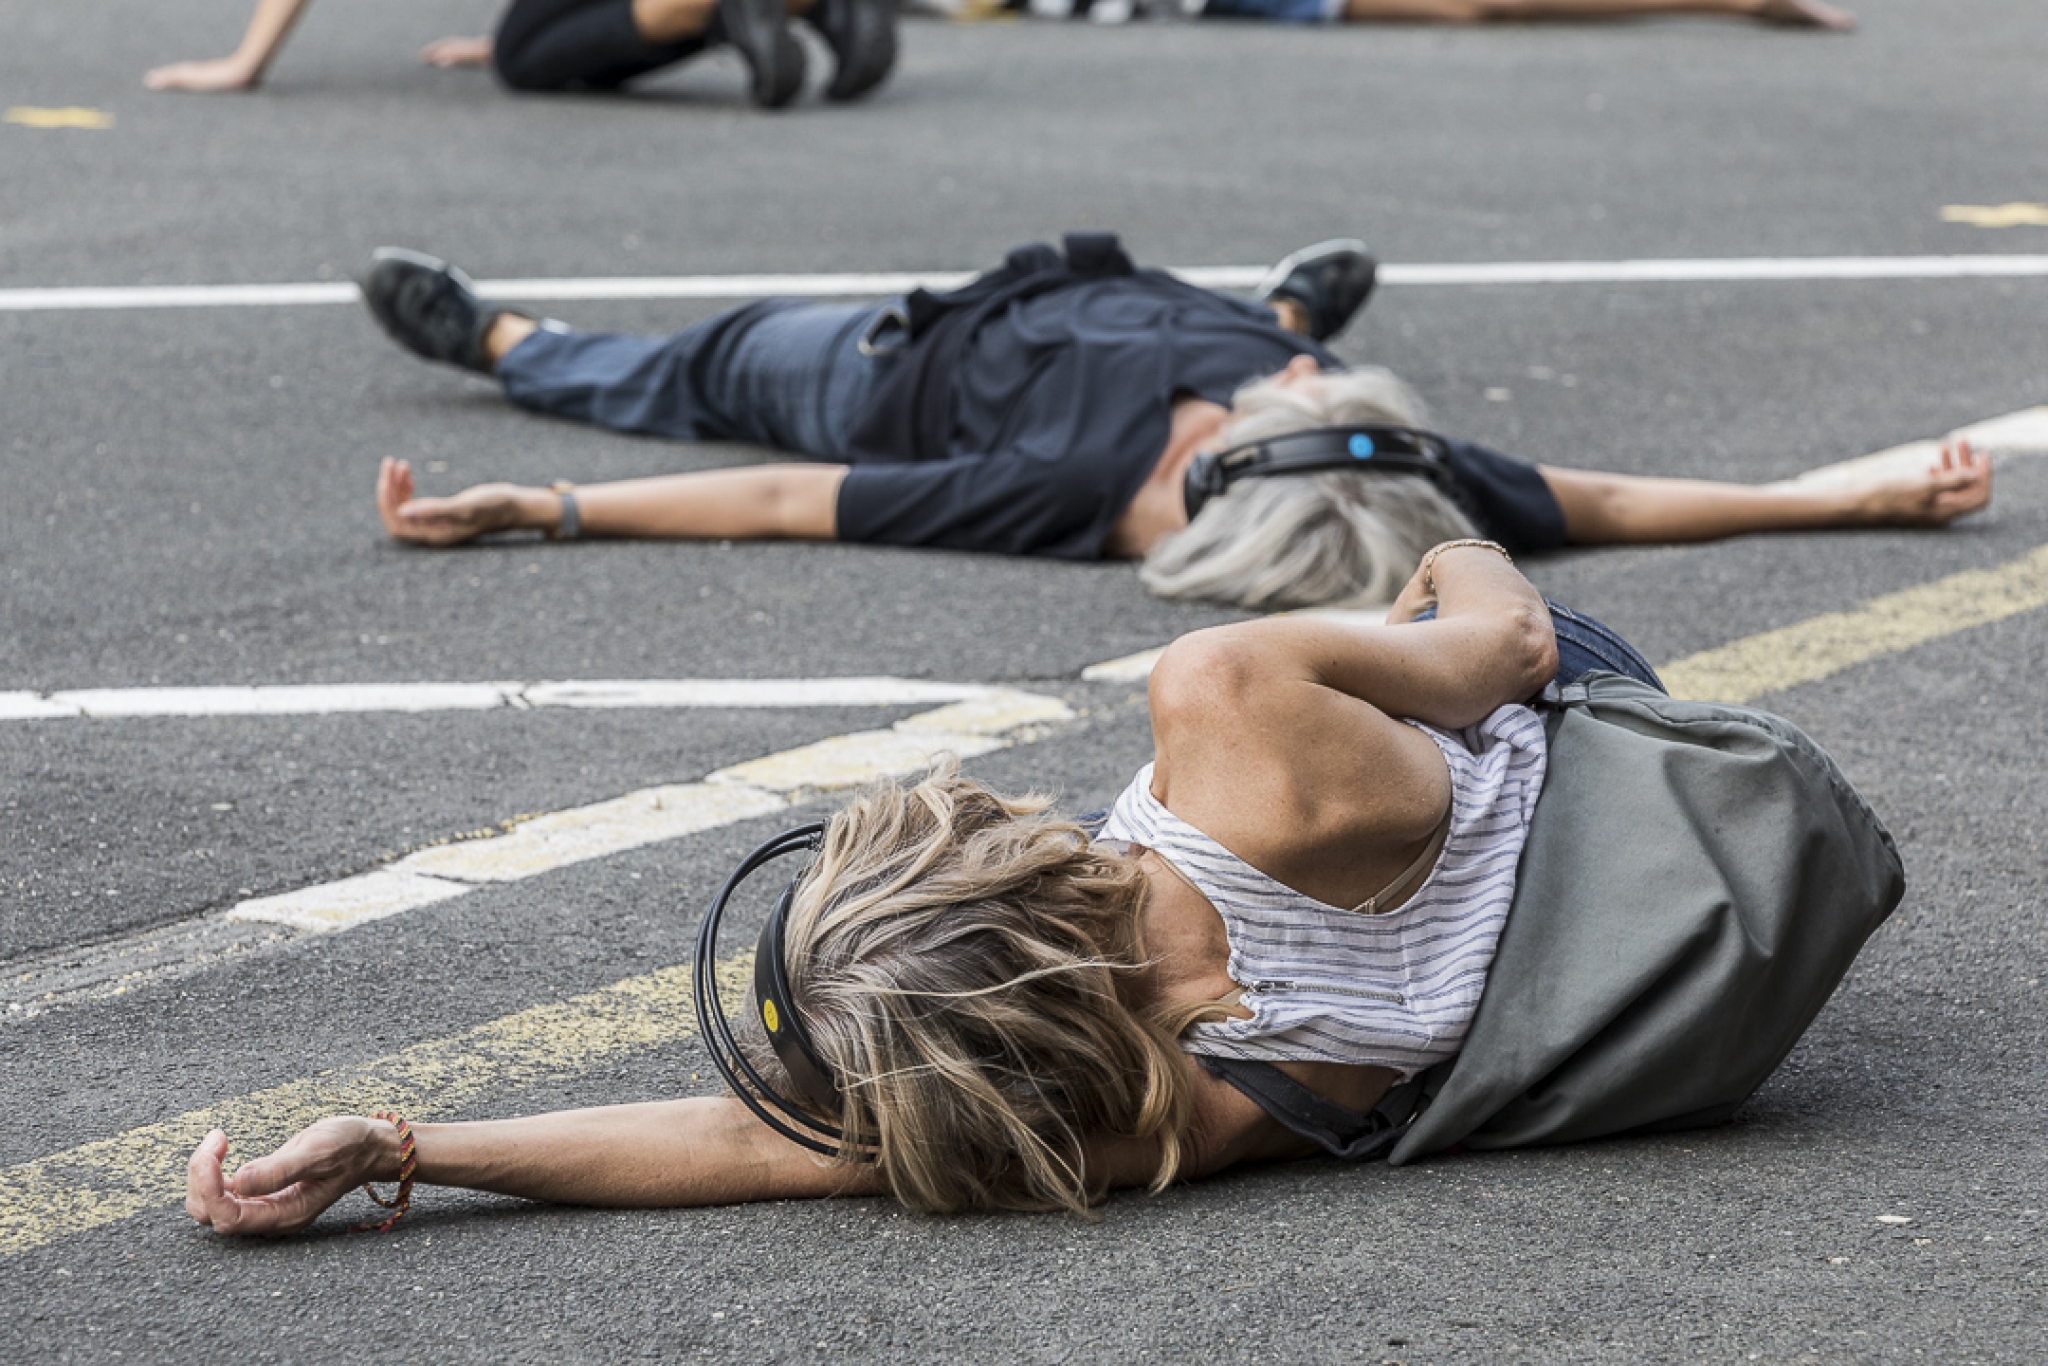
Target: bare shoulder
(1315,787)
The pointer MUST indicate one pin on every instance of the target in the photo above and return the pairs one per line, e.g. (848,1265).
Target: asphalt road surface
(189,506)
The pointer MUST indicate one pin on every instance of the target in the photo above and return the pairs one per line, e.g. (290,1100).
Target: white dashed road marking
(1733,269)
(982,720)
(583,695)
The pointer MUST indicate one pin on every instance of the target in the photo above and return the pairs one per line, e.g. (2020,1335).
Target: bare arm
(703,1151)
(1611,509)
(242,69)
(751,502)
(1278,737)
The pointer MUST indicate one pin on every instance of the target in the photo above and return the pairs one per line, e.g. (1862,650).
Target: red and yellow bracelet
(408,1163)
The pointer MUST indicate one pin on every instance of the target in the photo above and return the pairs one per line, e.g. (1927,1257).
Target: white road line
(1736,269)
(576,694)
(985,720)
(2023,433)
(996,719)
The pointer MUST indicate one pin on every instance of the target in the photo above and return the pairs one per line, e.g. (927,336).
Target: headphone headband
(809,1075)
(1371,448)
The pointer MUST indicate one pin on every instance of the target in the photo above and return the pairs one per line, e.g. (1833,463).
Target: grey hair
(1309,540)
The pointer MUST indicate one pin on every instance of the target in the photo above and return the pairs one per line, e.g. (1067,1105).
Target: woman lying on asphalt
(992,1007)
(1069,406)
(549,45)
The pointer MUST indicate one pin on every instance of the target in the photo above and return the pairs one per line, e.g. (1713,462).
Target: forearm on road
(702,1151)
(1609,509)
(798,502)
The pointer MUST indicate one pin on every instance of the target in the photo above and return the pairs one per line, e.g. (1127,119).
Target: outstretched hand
(1956,483)
(451,521)
(219,73)
(449,52)
(288,1190)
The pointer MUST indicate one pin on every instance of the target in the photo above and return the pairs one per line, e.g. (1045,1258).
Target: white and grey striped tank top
(1325,984)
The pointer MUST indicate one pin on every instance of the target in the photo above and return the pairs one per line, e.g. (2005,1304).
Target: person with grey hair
(1055,407)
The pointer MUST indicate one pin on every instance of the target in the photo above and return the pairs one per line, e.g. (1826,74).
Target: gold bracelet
(1429,560)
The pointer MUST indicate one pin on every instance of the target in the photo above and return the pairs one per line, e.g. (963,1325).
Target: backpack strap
(1354,1135)
(1558,696)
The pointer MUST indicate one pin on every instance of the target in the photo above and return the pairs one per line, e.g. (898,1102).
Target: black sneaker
(760,30)
(429,307)
(862,36)
(1330,280)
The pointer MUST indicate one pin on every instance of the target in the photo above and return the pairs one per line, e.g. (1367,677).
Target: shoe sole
(871,48)
(407,256)
(775,59)
(1285,266)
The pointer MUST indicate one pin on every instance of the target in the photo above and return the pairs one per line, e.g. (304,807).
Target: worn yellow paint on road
(143,1169)
(1822,646)
(1997,215)
(72,117)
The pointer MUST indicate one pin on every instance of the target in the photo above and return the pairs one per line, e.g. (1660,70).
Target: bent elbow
(1203,675)
(1534,648)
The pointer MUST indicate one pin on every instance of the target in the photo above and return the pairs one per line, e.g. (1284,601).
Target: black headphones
(1385,450)
(809,1075)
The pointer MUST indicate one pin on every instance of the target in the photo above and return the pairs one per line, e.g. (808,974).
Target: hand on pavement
(1959,482)
(449,521)
(219,73)
(288,1190)
(448,52)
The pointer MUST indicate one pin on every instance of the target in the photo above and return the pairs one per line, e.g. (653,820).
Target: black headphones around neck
(1371,448)
(809,1075)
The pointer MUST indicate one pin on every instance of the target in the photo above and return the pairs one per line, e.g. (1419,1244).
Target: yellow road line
(101,1183)
(71,117)
(1822,646)
(2020,215)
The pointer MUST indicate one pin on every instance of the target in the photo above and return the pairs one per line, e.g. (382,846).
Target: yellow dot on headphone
(770,1017)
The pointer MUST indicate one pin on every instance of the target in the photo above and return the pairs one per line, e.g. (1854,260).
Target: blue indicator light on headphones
(1361,446)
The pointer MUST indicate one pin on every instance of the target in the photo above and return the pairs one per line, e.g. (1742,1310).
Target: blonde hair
(967,965)
(1309,540)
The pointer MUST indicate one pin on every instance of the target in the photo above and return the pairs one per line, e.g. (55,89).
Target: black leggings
(578,44)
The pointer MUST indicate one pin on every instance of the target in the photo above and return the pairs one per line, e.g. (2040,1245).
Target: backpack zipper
(1269,988)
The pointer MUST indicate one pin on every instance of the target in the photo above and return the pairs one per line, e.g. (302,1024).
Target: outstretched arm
(703,1151)
(752,502)
(1611,509)
(1793,13)
(243,68)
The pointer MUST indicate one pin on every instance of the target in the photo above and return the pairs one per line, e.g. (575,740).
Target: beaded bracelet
(1429,560)
(408,1163)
